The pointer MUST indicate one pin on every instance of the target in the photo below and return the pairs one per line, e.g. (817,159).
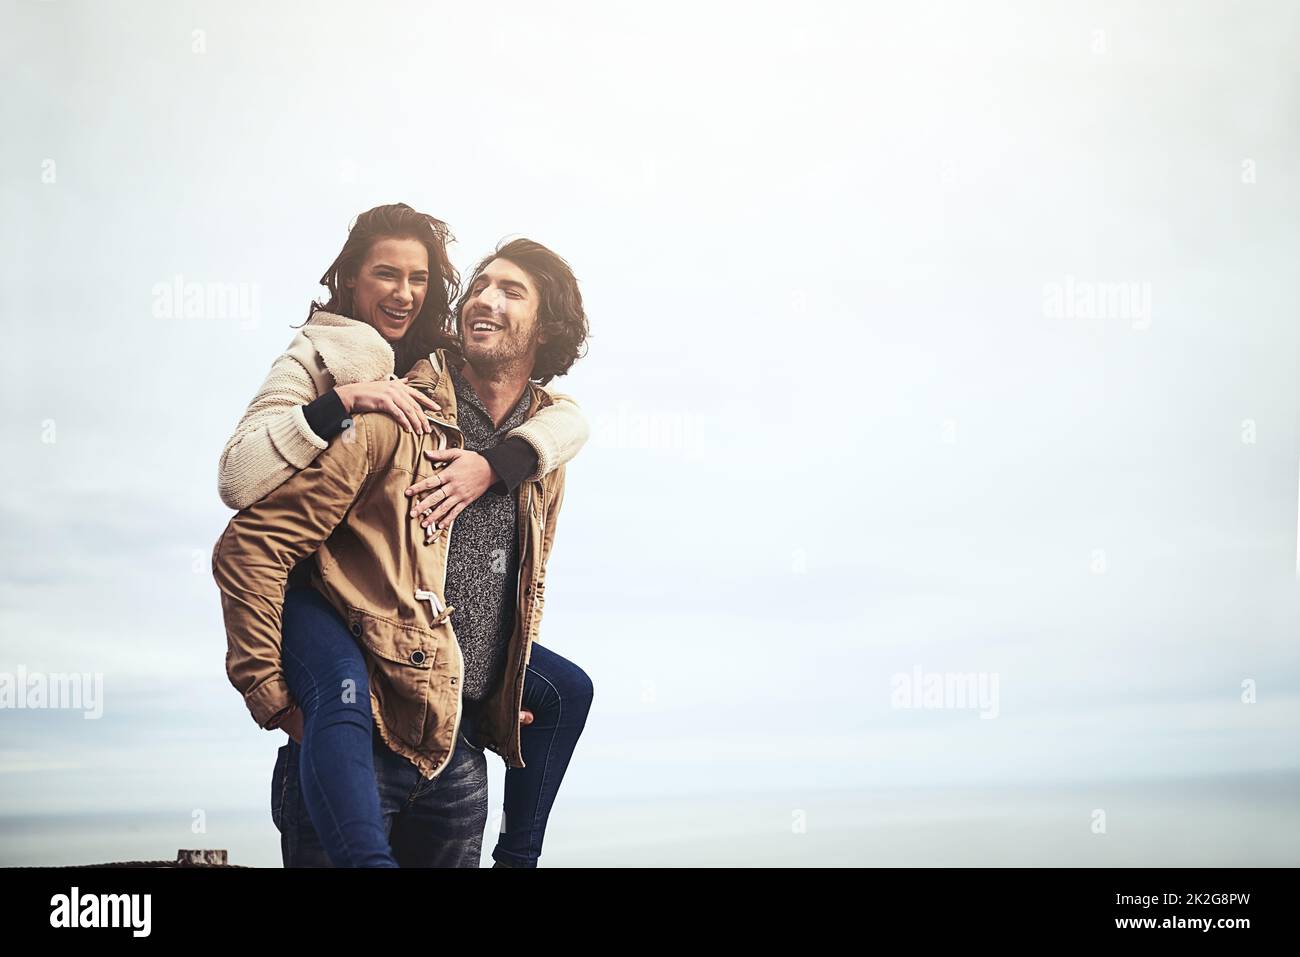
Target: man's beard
(504,355)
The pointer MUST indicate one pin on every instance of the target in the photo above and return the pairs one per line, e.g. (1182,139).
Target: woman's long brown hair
(434,327)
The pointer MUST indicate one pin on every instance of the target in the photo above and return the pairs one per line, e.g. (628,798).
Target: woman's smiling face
(388,290)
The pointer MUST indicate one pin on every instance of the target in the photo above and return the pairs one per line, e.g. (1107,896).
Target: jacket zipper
(522,609)
(523,544)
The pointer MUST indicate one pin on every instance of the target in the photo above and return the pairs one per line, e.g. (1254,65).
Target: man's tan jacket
(385,577)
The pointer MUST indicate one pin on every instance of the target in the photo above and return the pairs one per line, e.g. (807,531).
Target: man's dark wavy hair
(433,327)
(559,314)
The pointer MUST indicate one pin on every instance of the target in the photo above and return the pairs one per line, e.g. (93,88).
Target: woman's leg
(558,693)
(326,673)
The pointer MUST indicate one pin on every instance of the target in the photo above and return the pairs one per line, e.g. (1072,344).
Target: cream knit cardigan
(273,440)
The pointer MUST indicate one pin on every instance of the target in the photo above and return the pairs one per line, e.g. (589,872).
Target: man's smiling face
(388,290)
(498,322)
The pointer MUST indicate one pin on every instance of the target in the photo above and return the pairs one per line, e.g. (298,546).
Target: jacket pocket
(400,659)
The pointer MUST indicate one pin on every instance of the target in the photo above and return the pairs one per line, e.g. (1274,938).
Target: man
(446,621)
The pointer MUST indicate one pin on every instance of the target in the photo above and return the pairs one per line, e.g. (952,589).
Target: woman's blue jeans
(559,694)
(336,769)
(326,674)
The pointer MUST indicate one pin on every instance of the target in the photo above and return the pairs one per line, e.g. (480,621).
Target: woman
(391,293)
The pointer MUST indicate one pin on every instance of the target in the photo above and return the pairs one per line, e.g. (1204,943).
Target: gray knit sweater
(483,555)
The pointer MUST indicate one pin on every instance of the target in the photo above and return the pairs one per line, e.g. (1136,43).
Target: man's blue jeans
(436,823)
(559,695)
(362,796)
(374,807)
